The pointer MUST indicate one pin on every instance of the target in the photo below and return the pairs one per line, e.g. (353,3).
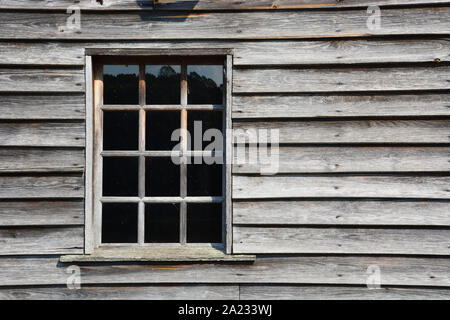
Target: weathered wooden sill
(157,255)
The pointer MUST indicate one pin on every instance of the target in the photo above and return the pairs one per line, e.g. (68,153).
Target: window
(159,175)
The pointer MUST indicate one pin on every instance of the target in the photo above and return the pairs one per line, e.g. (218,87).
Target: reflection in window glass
(205,84)
(162,222)
(121,84)
(162,84)
(120,130)
(119,223)
(204,222)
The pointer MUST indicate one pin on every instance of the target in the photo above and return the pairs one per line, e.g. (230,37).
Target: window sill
(157,255)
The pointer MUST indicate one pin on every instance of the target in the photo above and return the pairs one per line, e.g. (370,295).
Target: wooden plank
(42,134)
(41,160)
(344,212)
(171,292)
(349,159)
(331,105)
(47,186)
(32,106)
(270,52)
(228,25)
(35,213)
(356,186)
(340,79)
(341,240)
(89,159)
(339,293)
(41,80)
(41,240)
(411,271)
(362,131)
(203,4)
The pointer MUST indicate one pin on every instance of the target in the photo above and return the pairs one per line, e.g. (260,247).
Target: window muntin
(180,191)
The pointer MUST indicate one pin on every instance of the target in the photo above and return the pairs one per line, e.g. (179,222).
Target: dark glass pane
(163,84)
(159,128)
(162,222)
(162,177)
(204,179)
(204,222)
(121,84)
(120,176)
(119,223)
(205,84)
(198,123)
(120,130)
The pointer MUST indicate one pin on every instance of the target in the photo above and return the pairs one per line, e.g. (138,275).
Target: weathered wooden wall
(364,120)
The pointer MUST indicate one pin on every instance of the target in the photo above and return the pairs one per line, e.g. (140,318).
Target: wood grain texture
(203,4)
(356,186)
(410,271)
(344,212)
(41,240)
(48,186)
(332,105)
(340,79)
(175,292)
(341,240)
(42,134)
(39,213)
(32,106)
(348,159)
(339,293)
(228,25)
(41,80)
(271,52)
(41,160)
(362,131)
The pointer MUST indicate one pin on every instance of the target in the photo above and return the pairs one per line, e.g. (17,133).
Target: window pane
(163,84)
(204,179)
(162,177)
(121,84)
(205,84)
(120,176)
(159,128)
(202,121)
(162,222)
(119,223)
(120,130)
(204,222)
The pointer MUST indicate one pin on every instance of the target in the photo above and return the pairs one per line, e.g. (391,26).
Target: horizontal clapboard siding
(329,105)
(42,106)
(340,79)
(342,212)
(38,213)
(123,5)
(432,272)
(340,293)
(41,160)
(42,186)
(340,240)
(178,292)
(355,131)
(41,80)
(228,25)
(273,52)
(347,159)
(358,186)
(42,134)
(41,240)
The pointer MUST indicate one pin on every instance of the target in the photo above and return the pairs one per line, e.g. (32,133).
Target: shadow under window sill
(159,255)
